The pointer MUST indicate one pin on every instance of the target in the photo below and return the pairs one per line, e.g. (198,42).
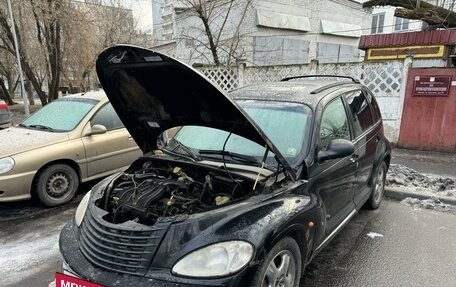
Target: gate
(429,112)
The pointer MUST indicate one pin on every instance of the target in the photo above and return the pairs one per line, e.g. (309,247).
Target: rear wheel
(378,187)
(281,267)
(57,184)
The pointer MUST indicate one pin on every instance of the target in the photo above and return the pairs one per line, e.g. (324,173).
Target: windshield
(285,124)
(62,115)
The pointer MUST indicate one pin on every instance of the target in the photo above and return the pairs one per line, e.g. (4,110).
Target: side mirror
(337,148)
(97,130)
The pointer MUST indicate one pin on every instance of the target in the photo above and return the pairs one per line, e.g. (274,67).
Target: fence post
(313,67)
(240,72)
(405,69)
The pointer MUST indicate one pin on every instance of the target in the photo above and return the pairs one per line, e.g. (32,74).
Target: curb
(401,193)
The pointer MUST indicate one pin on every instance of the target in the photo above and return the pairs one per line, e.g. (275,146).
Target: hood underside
(152,93)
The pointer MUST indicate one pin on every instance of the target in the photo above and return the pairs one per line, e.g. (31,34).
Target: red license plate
(62,280)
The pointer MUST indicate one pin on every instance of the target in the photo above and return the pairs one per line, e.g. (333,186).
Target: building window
(401,24)
(378,21)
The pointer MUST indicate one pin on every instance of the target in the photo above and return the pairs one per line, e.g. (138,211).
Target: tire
(280,273)
(57,184)
(378,187)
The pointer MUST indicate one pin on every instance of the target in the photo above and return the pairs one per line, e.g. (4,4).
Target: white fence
(385,79)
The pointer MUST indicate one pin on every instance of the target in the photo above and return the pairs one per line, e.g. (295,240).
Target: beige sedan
(71,140)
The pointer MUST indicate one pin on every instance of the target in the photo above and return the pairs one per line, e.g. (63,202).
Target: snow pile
(430,203)
(399,175)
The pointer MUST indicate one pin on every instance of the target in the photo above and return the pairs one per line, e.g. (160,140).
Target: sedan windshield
(62,115)
(285,124)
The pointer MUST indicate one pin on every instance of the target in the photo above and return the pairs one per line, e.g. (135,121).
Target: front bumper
(75,264)
(15,187)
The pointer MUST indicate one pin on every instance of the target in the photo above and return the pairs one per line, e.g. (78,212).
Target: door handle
(377,139)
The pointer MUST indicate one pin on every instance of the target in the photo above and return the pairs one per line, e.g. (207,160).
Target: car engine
(153,189)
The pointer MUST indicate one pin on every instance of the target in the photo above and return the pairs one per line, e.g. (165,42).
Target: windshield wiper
(174,145)
(41,127)
(234,156)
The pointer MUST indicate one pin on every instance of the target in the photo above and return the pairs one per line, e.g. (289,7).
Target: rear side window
(374,105)
(108,118)
(360,109)
(334,123)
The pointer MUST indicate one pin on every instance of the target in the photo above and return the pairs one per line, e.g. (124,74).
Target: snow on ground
(434,186)
(24,257)
(404,177)
(28,246)
(430,203)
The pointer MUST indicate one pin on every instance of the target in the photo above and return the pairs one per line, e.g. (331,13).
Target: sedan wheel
(57,184)
(378,187)
(281,267)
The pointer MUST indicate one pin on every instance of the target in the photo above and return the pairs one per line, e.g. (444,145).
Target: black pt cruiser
(241,189)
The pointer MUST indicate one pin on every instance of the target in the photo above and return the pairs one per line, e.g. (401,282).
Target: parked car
(5,114)
(252,186)
(71,140)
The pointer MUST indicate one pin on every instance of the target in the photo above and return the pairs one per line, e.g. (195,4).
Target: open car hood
(152,92)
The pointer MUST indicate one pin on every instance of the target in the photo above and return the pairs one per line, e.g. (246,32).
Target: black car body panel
(139,224)
(267,215)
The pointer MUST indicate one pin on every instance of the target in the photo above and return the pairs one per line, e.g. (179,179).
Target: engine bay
(152,189)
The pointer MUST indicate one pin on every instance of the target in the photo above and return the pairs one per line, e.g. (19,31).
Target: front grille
(119,248)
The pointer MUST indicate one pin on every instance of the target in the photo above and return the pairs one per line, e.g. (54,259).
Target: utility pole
(19,63)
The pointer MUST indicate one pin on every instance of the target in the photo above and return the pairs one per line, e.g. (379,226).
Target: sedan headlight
(82,207)
(6,164)
(215,260)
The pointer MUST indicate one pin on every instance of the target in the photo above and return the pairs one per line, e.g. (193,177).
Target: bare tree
(48,15)
(219,22)
(434,15)
(6,44)
(96,28)
(8,77)
(59,42)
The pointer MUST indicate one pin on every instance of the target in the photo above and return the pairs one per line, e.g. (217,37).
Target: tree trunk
(210,38)
(28,88)
(35,83)
(4,94)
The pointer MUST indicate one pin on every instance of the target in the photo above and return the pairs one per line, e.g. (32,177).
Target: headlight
(82,207)
(6,164)
(215,260)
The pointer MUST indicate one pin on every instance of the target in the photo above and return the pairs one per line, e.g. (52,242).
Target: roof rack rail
(320,76)
(329,86)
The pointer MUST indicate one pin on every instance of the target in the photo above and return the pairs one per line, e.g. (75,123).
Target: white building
(268,32)
(384,22)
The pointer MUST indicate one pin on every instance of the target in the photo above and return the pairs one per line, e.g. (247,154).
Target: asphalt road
(418,248)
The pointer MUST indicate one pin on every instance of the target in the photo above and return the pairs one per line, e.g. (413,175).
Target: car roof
(93,95)
(308,92)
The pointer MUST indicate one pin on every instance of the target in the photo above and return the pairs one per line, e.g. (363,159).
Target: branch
(429,16)
(408,4)
(429,13)
(223,24)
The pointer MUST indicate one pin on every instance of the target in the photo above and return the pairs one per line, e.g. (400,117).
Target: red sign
(62,280)
(432,86)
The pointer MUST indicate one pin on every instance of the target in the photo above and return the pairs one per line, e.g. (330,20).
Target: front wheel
(57,184)
(281,267)
(378,187)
